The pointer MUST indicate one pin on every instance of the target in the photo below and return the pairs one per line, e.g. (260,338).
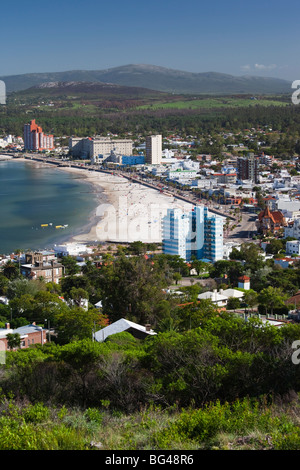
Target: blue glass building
(133,160)
(197,234)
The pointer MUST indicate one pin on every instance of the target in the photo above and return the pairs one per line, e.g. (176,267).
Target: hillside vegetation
(206,380)
(86,109)
(160,394)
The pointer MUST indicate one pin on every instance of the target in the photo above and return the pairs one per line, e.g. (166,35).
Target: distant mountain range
(156,78)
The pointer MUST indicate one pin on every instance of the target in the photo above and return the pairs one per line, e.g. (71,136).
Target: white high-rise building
(175,231)
(154,149)
(196,234)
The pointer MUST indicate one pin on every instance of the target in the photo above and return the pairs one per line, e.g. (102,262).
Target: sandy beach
(132,211)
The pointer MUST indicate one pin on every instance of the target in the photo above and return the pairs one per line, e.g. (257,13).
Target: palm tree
(10,270)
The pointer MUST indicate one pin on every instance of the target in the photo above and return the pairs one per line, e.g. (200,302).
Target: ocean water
(31,195)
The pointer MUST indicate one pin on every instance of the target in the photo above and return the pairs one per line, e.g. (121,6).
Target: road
(244,230)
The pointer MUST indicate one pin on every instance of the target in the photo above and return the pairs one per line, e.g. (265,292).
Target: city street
(244,230)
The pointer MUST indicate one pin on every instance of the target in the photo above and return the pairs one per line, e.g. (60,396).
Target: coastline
(127,211)
(80,221)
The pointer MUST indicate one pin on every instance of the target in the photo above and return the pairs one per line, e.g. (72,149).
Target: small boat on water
(44,225)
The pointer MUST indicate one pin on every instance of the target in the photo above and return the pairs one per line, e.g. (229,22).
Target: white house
(221,298)
(217,298)
(232,293)
(72,249)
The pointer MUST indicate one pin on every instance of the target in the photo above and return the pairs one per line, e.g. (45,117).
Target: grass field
(210,103)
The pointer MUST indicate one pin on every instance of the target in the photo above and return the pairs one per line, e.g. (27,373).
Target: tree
(11,270)
(71,266)
(78,295)
(271,297)
(47,305)
(137,248)
(13,340)
(133,288)
(3,284)
(193,314)
(233,303)
(199,266)
(22,306)
(177,277)
(75,324)
(275,246)
(250,298)
(19,287)
(172,262)
(81,357)
(231,269)
(251,254)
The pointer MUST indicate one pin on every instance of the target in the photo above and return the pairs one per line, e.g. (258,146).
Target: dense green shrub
(201,425)
(94,415)
(27,436)
(289,441)
(29,428)
(36,413)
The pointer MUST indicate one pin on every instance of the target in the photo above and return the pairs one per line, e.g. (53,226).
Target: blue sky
(235,36)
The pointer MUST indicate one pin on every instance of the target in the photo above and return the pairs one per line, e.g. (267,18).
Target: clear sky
(238,37)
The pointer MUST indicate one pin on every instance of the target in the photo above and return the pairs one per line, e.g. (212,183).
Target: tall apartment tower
(247,168)
(35,139)
(153,149)
(213,236)
(175,231)
(197,234)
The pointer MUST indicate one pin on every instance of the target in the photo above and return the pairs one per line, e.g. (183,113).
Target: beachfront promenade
(125,188)
(134,179)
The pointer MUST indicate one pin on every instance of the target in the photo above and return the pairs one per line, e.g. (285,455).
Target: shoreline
(126,211)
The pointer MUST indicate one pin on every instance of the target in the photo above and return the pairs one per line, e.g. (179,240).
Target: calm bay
(35,199)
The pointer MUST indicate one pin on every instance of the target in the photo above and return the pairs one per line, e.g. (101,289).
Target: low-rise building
(293,247)
(181,175)
(46,266)
(29,335)
(215,297)
(292,229)
(221,298)
(270,221)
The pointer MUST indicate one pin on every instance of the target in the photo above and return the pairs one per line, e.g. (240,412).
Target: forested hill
(156,78)
(87,90)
